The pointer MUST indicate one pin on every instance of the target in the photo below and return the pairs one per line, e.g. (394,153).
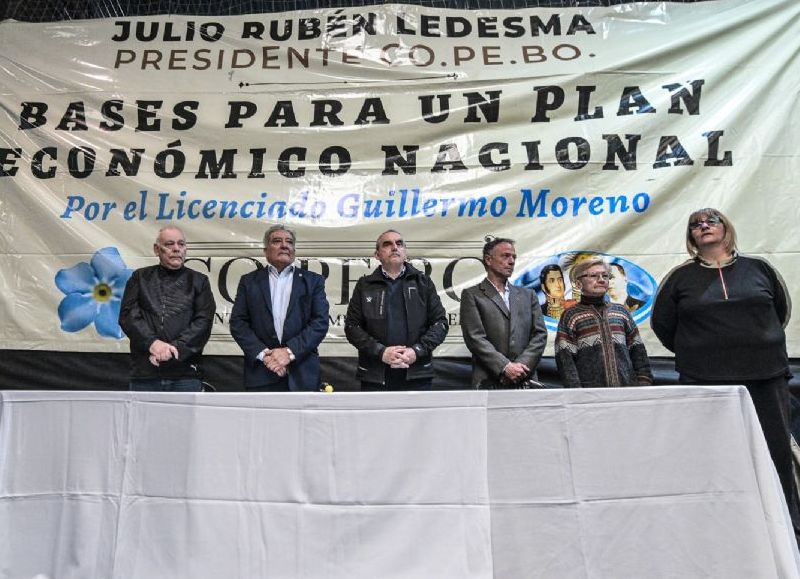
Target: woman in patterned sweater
(598,344)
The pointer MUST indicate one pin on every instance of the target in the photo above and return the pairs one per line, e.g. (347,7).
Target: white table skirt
(619,483)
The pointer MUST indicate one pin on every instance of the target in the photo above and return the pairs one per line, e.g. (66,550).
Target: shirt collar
(505,286)
(401,274)
(274,270)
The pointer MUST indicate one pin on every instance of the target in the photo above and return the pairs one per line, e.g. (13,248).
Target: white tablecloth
(621,483)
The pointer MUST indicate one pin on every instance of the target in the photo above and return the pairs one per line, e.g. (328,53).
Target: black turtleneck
(595,301)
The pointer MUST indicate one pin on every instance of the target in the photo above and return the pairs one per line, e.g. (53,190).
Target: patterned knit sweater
(598,346)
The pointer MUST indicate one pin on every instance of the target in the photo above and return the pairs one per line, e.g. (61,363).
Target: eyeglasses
(710,221)
(596,276)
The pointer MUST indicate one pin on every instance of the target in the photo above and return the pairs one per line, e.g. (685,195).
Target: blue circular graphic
(630,284)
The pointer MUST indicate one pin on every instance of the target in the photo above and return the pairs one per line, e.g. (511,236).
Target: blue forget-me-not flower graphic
(93,292)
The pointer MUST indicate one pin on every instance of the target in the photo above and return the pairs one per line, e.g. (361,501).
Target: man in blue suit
(279,318)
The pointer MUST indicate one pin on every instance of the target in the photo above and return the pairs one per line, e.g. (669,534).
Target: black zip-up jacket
(366,328)
(175,306)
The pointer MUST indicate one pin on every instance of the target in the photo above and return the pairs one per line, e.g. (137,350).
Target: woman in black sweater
(723,314)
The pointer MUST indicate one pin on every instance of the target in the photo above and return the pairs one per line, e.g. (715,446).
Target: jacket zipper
(722,280)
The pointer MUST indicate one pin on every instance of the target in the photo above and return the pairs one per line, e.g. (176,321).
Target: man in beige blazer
(502,323)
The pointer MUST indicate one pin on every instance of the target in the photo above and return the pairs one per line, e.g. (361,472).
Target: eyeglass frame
(711,220)
(596,276)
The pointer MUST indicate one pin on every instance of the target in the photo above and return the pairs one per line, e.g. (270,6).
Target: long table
(618,483)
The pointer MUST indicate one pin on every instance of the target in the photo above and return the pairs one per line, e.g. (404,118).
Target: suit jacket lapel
(492,293)
(515,295)
(297,289)
(263,282)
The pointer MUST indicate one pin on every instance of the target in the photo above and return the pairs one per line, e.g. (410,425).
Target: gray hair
(165,228)
(377,241)
(278,227)
(585,265)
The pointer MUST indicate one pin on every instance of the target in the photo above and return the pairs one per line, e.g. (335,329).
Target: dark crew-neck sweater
(724,323)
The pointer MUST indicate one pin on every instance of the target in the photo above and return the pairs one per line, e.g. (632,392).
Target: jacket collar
(377,274)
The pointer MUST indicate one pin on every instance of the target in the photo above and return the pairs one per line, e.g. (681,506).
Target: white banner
(573,131)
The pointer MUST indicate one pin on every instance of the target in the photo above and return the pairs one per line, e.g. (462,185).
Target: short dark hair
(547,269)
(492,243)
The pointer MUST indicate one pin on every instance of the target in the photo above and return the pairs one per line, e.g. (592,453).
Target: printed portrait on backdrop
(552,280)
(554,288)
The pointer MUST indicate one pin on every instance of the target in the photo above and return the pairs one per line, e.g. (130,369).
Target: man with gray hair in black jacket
(167,311)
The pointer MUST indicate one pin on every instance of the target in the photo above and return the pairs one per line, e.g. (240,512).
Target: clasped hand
(399,356)
(516,372)
(277,360)
(161,351)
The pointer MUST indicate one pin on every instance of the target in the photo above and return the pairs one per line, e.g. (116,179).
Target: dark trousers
(396,382)
(166,385)
(771,401)
(281,385)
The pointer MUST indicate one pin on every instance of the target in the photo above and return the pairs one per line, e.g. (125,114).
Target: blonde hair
(729,240)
